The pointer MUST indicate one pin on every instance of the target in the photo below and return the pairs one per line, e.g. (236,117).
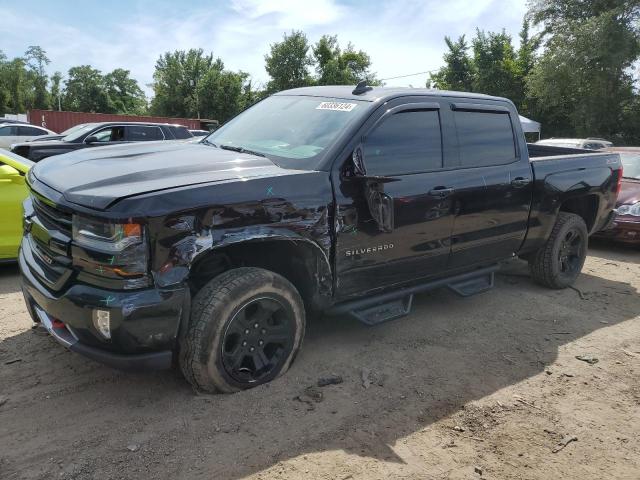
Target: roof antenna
(361,88)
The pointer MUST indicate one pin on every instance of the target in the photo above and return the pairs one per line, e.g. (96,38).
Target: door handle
(520,182)
(441,192)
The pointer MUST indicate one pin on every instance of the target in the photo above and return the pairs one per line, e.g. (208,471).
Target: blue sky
(402,37)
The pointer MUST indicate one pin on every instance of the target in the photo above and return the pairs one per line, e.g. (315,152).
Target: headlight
(105,236)
(633,209)
(111,250)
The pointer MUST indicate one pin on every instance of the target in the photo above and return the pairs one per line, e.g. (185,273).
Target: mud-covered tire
(222,329)
(558,263)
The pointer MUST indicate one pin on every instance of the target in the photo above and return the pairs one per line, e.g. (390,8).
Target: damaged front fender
(291,236)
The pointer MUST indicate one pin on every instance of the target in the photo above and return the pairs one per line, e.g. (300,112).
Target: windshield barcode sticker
(337,106)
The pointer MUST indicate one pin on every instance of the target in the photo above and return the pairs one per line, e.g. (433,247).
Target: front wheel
(559,262)
(246,327)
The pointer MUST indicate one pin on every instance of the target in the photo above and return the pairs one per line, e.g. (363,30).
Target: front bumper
(145,361)
(622,230)
(144,323)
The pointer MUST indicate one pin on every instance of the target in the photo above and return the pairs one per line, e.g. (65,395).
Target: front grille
(52,217)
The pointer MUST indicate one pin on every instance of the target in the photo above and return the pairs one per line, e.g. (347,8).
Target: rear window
(30,131)
(141,133)
(180,133)
(484,138)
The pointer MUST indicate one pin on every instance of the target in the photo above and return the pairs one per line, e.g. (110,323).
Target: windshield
(74,133)
(290,130)
(631,165)
(71,130)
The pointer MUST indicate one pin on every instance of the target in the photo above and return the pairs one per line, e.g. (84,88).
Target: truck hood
(44,143)
(97,177)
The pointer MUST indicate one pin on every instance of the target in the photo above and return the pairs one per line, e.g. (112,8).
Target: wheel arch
(585,206)
(299,260)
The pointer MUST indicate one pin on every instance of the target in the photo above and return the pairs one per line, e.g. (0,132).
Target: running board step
(384,312)
(474,285)
(397,303)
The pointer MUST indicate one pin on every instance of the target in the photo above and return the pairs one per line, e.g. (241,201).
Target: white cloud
(290,12)
(402,37)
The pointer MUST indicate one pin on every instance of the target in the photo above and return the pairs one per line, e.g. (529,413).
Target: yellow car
(13,191)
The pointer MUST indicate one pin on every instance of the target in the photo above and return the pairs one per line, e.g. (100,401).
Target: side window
(9,131)
(30,132)
(406,142)
(143,133)
(104,135)
(484,138)
(180,133)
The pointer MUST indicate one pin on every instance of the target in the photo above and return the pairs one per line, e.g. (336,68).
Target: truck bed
(537,151)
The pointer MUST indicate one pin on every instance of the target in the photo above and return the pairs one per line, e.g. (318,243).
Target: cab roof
(376,94)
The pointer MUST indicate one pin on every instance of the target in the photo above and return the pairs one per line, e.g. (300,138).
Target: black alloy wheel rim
(570,253)
(257,340)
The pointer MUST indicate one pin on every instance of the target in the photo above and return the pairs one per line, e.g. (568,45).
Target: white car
(585,143)
(18,132)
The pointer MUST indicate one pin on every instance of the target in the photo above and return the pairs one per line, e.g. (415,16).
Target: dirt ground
(484,387)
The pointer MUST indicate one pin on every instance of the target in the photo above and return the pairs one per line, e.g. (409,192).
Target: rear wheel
(559,262)
(246,327)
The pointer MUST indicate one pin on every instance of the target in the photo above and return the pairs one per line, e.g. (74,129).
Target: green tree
(124,93)
(459,72)
(4,89)
(85,91)
(496,66)
(36,60)
(525,62)
(56,90)
(192,84)
(176,79)
(14,79)
(288,62)
(221,94)
(582,84)
(337,67)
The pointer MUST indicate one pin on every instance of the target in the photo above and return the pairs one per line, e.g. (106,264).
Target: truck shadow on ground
(9,279)
(449,352)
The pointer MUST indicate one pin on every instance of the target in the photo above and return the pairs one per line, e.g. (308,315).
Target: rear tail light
(620,174)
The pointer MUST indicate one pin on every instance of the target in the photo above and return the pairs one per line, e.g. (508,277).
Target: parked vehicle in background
(101,134)
(626,226)
(11,133)
(59,136)
(584,143)
(9,120)
(320,199)
(13,191)
(200,133)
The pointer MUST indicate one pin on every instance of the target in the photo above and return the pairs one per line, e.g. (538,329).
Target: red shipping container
(61,121)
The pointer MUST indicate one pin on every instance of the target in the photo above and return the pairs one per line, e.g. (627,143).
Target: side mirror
(358,162)
(91,139)
(9,174)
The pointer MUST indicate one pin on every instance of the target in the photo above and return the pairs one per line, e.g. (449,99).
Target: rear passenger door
(143,133)
(493,185)
(396,228)
(8,135)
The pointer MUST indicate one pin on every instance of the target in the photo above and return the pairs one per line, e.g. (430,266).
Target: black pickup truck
(315,200)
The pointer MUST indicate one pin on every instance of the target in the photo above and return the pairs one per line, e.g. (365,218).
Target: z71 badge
(366,251)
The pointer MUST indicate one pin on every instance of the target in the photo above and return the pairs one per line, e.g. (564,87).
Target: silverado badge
(368,250)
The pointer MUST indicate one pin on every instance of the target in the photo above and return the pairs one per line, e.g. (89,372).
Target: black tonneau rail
(537,150)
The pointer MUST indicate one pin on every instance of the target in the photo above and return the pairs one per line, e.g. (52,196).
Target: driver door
(107,136)
(394,214)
